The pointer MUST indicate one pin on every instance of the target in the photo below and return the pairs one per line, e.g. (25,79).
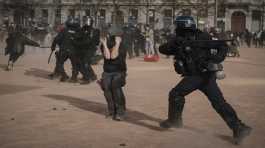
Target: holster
(218,69)
(214,67)
(179,67)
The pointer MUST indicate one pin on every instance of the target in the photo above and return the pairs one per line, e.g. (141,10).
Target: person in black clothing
(15,45)
(199,68)
(248,37)
(129,39)
(86,45)
(65,39)
(56,72)
(113,77)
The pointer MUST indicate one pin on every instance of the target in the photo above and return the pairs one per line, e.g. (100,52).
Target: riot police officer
(87,43)
(198,68)
(66,39)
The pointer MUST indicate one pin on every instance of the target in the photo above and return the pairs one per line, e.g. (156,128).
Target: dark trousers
(137,49)
(87,70)
(130,50)
(63,56)
(112,85)
(206,84)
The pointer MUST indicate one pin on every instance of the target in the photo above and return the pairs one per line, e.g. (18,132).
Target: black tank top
(118,64)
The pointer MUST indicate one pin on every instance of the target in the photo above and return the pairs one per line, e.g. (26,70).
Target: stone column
(249,20)
(228,16)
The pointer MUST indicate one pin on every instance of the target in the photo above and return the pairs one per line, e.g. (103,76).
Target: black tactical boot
(73,80)
(109,114)
(175,124)
(54,75)
(64,78)
(240,133)
(120,114)
(85,81)
(119,117)
(119,104)
(175,108)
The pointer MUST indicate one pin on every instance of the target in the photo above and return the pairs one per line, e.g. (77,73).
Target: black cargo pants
(206,84)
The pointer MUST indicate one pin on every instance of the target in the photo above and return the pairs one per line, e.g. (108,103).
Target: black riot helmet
(185,23)
(72,23)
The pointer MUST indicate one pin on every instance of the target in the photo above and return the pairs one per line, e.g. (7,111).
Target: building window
(151,15)
(134,13)
(168,17)
(133,18)
(87,12)
(45,13)
(58,16)
(32,13)
(72,12)
(256,15)
(58,13)
(221,11)
(168,13)
(101,18)
(102,13)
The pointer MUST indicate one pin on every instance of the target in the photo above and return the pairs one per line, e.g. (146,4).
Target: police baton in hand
(49,59)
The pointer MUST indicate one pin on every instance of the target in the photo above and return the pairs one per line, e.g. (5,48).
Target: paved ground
(36,112)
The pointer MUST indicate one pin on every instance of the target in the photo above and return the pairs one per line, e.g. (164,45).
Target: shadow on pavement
(225,138)
(3,66)
(11,89)
(40,73)
(133,117)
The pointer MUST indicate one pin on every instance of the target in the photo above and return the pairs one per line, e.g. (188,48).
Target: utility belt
(181,68)
(217,69)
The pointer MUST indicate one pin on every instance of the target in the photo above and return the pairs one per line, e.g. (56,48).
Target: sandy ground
(36,112)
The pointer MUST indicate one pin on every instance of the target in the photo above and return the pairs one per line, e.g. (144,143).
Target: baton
(49,59)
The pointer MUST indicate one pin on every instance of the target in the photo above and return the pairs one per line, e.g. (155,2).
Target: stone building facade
(235,15)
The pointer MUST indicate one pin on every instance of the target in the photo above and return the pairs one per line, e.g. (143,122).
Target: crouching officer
(199,68)
(113,77)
